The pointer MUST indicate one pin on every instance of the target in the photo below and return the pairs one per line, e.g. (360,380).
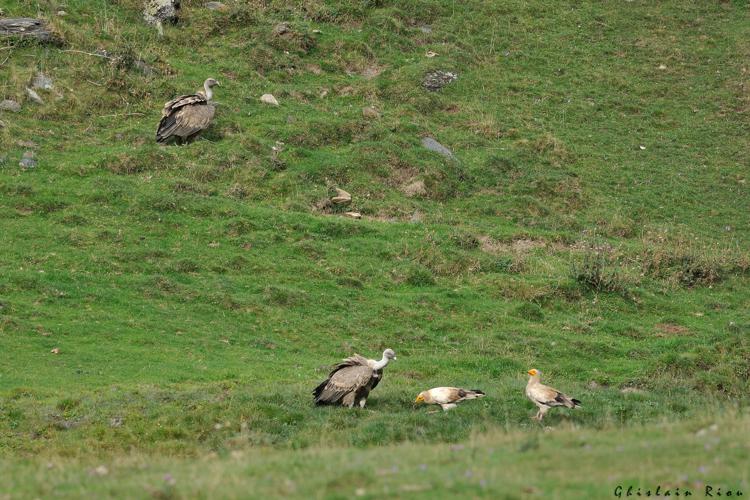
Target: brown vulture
(186,116)
(447,397)
(546,397)
(351,381)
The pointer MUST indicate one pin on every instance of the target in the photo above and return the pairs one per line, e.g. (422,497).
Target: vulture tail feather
(576,403)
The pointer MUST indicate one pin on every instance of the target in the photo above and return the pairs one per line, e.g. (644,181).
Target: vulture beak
(531,372)
(394,358)
(418,400)
(217,83)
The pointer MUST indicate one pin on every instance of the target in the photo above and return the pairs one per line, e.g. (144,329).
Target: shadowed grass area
(163,303)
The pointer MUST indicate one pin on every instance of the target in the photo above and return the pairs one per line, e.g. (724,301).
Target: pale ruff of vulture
(187,115)
(351,381)
(546,397)
(447,397)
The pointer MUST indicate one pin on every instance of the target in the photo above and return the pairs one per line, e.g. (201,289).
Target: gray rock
(34,96)
(10,105)
(216,6)
(425,29)
(41,81)
(371,112)
(435,146)
(281,29)
(157,12)
(27,161)
(26,27)
(438,79)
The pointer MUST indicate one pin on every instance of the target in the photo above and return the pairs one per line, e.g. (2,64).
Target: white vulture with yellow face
(350,382)
(447,397)
(545,397)
(186,116)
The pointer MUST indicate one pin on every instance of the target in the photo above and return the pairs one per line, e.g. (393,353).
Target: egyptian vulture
(546,397)
(351,381)
(447,397)
(186,116)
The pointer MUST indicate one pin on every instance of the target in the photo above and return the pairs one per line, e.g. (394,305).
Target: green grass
(594,226)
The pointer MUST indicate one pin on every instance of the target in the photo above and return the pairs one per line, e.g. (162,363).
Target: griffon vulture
(351,381)
(546,397)
(186,116)
(447,397)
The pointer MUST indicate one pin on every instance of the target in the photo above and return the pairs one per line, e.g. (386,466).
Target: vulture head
(389,354)
(208,85)
(420,397)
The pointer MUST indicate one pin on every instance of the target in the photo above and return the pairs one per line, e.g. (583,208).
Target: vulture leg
(362,402)
(189,139)
(448,406)
(348,400)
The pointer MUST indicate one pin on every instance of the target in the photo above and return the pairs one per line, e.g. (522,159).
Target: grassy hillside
(593,224)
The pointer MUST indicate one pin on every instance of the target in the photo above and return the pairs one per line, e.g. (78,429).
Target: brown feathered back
(184,117)
(348,383)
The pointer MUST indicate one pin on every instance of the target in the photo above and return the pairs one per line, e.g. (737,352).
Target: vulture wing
(184,116)
(351,375)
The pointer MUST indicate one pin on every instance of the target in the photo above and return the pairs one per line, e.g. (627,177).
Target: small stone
(100,471)
(62,13)
(41,81)
(438,79)
(115,422)
(269,99)
(27,160)
(435,146)
(425,29)
(341,198)
(353,215)
(370,112)
(662,67)
(56,350)
(157,12)
(281,29)
(415,189)
(216,6)
(641,147)
(431,54)
(34,96)
(2,124)
(10,105)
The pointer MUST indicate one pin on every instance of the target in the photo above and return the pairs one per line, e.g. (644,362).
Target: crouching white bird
(447,397)
(546,397)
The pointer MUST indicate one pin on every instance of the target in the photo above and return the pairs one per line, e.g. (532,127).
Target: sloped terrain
(592,223)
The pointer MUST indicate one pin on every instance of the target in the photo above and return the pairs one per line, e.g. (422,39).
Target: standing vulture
(447,397)
(186,116)
(351,381)
(546,397)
